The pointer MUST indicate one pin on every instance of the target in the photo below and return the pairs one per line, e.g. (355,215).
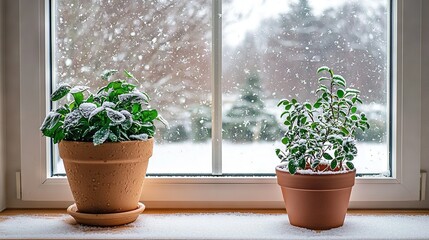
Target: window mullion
(216,87)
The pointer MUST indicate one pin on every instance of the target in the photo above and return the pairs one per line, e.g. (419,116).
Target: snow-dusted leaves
(50,122)
(101,136)
(78,89)
(61,91)
(108,73)
(108,104)
(72,119)
(142,137)
(322,133)
(95,112)
(134,97)
(115,116)
(117,112)
(127,123)
(86,109)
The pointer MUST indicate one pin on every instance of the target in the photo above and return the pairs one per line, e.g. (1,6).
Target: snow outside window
(270,50)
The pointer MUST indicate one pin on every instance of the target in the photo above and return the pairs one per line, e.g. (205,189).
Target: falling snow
(167,47)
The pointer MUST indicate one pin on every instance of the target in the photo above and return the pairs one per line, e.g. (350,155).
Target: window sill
(215,224)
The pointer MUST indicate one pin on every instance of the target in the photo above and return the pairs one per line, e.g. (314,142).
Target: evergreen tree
(248,120)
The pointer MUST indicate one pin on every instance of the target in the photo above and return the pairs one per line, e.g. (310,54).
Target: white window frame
(230,192)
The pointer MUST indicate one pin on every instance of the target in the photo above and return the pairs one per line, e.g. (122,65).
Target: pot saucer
(105,220)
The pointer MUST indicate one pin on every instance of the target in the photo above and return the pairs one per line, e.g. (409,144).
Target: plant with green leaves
(321,136)
(117,112)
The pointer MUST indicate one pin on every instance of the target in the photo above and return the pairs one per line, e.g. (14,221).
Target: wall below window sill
(215,224)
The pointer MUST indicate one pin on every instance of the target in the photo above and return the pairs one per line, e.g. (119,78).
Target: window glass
(271,50)
(166,45)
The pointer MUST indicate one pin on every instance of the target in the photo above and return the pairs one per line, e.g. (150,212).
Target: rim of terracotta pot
(326,181)
(88,153)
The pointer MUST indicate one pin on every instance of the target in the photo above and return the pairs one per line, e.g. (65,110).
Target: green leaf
(353,109)
(128,74)
(292,167)
(285,140)
(288,107)
(315,164)
(339,78)
(134,97)
(49,123)
(348,101)
(340,83)
(350,157)
(317,105)
(115,85)
(149,115)
(323,79)
(354,117)
(113,137)
(287,123)
(336,153)
(367,125)
(136,108)
(294,101)
(78,98)
(325,96)
(303,120)
(59,135)
(86,109)
(101,136)
(352,90)
(107,74)
(141,137)
(350,165)
(78,89)
(308,106)
(324,68)
(327,156)
(90,99)
(322,89)
(63,110)
(60,92)
(95,112)
(301,163)
(345,131)
(115,116)
(283,113)
(163,121)
(283,102)
(359,100)
(340,93)
(334,164)
(314,125)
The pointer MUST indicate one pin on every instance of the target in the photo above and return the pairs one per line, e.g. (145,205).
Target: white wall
(2,122)
(12,119)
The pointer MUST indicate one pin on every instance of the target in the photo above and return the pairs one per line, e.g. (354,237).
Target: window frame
(229,192)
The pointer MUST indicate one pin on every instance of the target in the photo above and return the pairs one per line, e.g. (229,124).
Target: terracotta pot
(317,202)
(107,178)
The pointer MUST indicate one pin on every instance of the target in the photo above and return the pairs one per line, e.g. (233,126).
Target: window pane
(272,50)
(164,43)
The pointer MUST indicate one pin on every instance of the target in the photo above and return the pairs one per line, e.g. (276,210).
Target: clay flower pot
(317,201)
(107,178)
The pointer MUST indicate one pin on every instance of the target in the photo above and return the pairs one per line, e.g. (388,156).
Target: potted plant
(105,141)
(317,172)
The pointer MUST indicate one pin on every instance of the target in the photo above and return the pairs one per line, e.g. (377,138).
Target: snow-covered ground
(188,157)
